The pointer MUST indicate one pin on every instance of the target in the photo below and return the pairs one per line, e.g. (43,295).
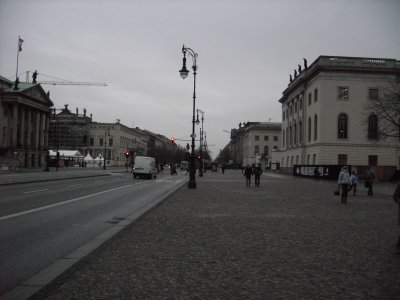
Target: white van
(144,167)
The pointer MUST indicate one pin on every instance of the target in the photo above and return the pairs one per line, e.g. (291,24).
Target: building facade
(112,140)
(68,130)
(24,124)
(254,142)
(325,120)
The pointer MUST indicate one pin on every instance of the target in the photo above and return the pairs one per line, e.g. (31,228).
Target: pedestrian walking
(223,168)
(257,175)
(396,198)
(162,169)
(248,171)
(344,182)
(354,182)
(369,181)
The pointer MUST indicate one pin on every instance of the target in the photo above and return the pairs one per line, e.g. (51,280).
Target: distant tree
(384,103)
(223,156)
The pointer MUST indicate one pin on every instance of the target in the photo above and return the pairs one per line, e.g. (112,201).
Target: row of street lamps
(184,73)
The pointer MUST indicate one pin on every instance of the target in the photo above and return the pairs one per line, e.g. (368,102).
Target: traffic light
(172,139)
(126,154)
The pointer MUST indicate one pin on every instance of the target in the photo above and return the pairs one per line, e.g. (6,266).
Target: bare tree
(384,102)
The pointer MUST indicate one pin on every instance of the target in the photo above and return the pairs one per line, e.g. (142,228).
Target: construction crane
(60,81)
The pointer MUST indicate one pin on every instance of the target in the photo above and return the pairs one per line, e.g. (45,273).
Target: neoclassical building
(69,130)
(24,124)
(112,140)
(254,143)
(325,119)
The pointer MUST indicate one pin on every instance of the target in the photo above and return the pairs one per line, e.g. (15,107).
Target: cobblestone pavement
(291,238)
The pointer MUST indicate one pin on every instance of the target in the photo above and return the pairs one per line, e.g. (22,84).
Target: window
(343,93)
(283,115)
(315,95)
(308,159)
(266,137)
(275,138)
(309,99)
(342,159)
(101,142)
(257,137)
(301,104)
(373,94)
(309,129)
(266,150)
(315,127)
(372,127)
(372,160)
(256,149)
(283,140)
(300,133)
(110,142)
(314,159)
(91,142)
(342,126)
(295,107)
(295,133)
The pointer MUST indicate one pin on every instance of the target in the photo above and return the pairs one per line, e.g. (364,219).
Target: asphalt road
(42,222)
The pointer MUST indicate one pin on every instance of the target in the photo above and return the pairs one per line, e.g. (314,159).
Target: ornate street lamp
(184,73)
(201,140)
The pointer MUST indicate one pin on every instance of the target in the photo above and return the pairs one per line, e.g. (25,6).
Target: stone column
(22,130)
(29,129)
(37,130)
(14,126)
(42,130)
(46,135)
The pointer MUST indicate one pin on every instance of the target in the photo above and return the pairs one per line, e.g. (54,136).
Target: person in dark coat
(248,171)
(396,198)
(257,175)
(369,181)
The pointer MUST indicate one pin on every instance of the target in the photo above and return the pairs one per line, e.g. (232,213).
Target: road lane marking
(68,201)
(74,185)
(36,191)
(61,203)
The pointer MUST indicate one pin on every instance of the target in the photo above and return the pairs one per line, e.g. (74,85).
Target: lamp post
(201,140)
(184,73)
(105,144)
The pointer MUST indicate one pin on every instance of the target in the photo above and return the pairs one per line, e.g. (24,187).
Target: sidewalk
(291,238)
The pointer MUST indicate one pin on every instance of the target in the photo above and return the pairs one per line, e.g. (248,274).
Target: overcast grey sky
(247,49)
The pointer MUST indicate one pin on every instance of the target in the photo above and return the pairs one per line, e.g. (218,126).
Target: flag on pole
(20,41)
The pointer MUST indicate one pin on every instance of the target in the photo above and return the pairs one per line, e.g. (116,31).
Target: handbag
(337,191)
